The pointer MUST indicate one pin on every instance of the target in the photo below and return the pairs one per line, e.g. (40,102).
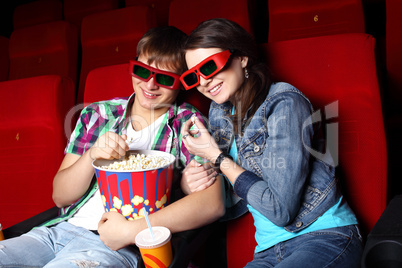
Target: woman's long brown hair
(226,34)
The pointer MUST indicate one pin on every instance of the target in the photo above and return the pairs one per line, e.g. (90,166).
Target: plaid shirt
(101,117)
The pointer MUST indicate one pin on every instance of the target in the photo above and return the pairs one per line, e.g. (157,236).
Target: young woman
(148,119)
(259,142)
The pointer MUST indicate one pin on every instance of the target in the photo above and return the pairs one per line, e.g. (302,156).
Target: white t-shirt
(89,215)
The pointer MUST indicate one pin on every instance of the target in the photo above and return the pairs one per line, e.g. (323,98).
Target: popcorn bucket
(128,191)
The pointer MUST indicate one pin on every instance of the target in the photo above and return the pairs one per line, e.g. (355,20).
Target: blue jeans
(63,245)
(334,247)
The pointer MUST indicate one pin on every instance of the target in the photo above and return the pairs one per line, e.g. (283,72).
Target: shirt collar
(172,112)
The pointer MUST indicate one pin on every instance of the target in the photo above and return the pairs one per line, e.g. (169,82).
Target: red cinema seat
(293,19)
(111,37)
(161,8)
(75,10)
(108,82)
(37,12)
(186,15)
(32,143)
(338,74)
(4,60)
(49,48)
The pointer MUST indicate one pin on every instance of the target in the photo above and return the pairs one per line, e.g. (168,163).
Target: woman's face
(150,96)
(222,86)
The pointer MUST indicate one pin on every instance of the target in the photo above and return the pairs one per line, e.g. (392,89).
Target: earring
(246,73)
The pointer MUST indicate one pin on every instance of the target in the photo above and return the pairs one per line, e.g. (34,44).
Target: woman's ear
(244,61)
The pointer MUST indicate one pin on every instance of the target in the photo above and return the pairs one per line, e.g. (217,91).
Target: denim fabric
(63,245)
(283,181)
(335,247)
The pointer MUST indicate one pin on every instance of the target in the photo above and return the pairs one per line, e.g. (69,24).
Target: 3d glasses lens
(141,71)
(165,80)
(190,79)
(208,68)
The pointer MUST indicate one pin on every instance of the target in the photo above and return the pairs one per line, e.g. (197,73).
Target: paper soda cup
(1,233)
(156,252)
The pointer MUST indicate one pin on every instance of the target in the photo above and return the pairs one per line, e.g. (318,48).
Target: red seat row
(72,11)
(44,49)
(108,34)
(37,12)
(32,115)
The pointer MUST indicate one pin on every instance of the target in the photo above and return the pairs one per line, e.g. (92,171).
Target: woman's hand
(116,231)
(201,144)
(197,177)
(109,146)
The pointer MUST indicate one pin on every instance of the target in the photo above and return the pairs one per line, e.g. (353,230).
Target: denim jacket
(282,181)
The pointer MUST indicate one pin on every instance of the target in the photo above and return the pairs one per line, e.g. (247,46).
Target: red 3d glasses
(206,68)
(161,78)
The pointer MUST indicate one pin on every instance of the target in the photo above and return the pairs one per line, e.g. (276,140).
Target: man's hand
(116,231)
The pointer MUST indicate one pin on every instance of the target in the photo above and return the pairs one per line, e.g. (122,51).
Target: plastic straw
(149,224)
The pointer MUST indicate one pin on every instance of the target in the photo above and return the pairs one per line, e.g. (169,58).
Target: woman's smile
(216,89)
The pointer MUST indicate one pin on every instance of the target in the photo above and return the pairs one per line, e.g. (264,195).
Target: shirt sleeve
(80,138)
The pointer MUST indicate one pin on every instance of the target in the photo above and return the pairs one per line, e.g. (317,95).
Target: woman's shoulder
(280,89)
(284,95)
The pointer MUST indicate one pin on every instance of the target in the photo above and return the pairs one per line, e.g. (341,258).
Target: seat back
(4,59)
(37,12)
(111,37)
(338,74)
(108,82)
(161,8)
(32,143)
(293,19)
(186,15)
(74,11)
(52,49)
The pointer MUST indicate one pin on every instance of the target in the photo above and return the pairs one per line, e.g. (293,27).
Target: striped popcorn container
(128,191)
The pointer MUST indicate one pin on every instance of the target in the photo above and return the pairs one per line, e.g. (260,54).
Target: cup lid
(144,238)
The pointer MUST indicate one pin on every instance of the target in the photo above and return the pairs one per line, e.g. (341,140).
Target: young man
(148,119)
